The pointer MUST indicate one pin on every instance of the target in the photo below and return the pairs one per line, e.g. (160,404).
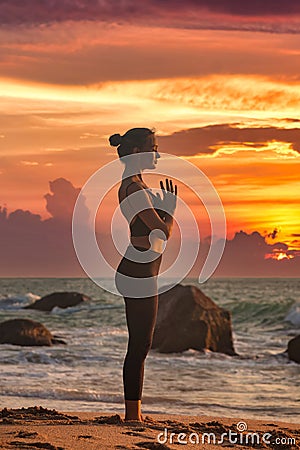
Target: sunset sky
(218,80)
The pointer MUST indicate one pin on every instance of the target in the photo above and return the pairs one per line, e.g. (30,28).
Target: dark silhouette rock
(26,332)
(294,349)
(60,299)
(189,319)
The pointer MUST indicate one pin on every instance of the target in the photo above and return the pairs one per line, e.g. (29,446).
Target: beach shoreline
(38,427)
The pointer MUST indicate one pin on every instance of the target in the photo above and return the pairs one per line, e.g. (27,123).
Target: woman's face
(149,154)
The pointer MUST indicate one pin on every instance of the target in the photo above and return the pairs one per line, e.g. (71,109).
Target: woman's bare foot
(133,411)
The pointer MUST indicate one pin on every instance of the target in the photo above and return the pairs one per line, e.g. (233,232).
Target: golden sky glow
(66,87)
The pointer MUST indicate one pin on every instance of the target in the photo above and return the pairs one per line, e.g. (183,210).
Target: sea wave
(63,394)
(260,313)
(293,316)
(86,374)
(11,302)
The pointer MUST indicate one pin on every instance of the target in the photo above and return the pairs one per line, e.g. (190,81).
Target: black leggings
(141,317)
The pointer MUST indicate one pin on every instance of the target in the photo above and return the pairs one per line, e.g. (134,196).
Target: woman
(150,219)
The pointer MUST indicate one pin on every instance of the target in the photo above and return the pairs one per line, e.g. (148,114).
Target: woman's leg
(141,317)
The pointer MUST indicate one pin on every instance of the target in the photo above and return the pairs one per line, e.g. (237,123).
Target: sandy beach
(38,427)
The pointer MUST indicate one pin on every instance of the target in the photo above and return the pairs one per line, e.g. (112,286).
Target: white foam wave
(67,311)
(17,301)
(64,394)
(293,316)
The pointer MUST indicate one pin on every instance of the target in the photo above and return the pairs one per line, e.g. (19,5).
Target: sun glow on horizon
(279,256)
(56,124)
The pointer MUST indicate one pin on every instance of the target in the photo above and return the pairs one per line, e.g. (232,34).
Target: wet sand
(38,427)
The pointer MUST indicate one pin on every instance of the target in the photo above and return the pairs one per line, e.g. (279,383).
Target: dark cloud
(273,234)
(240,8)
(207,139)
(190,13)
(249,255)
(289,120)
(61,201)
(31,246)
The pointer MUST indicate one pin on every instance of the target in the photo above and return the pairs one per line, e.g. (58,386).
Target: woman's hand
(169,200)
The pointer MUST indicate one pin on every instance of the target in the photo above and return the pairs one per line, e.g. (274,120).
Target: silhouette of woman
(150,219)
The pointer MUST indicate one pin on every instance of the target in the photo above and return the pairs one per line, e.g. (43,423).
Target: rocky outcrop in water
(59,299)
(188,319)
(26,332)
(294,349)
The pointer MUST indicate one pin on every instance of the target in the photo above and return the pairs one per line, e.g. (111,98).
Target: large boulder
(294,349)
(188,319)
(60,299)
(26,332)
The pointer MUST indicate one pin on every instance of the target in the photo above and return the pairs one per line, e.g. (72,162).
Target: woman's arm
(141,204)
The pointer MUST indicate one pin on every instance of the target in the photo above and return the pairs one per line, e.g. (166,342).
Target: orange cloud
(50,246)
(222,139)
(75,53)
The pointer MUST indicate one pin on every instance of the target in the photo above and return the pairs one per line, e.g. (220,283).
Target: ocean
(86,374)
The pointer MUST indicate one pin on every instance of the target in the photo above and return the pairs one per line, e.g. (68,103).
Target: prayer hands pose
(169,201)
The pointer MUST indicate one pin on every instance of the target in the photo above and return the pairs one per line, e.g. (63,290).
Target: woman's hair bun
(115,140)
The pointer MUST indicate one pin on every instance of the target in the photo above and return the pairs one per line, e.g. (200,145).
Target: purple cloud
(32,247)
(249,255)
(240,8)
(204,140)
(273,234)
(60,202)
(191,13)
